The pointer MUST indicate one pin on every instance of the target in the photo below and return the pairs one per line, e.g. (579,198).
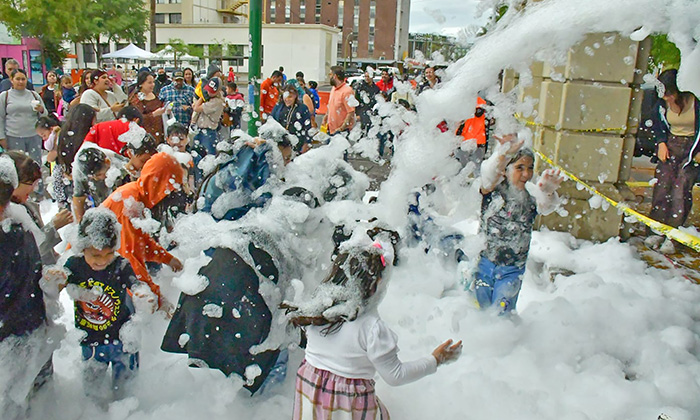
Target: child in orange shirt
(160,176)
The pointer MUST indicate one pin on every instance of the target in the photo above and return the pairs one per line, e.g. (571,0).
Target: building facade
(372,30)
(307,48)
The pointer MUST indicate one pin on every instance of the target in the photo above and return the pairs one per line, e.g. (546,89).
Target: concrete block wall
(580,122)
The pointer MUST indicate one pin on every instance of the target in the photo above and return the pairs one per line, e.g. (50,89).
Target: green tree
(49,21)
(116,20)
(664,53)
(180,48)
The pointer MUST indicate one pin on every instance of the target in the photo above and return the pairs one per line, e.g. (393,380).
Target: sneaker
(667,247)
(654,241)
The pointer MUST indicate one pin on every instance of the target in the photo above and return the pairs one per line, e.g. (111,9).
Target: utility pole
(254,60)
(152,23)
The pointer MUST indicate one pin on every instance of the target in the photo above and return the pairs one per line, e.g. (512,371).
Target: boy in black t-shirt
(102,284)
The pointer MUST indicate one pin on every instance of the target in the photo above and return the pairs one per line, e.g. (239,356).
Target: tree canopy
(55,21)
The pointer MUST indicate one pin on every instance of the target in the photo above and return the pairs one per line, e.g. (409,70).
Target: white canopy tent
(167,53)
(133,52)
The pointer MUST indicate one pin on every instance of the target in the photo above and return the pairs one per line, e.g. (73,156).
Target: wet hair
(339,72)
(523,152)
(149,145)
(178,128)
(98,229)
(48,122)
(276,73)
(669,79)
(313,84)
(130,113)
(76,126)
(92,160)
(365,268)
(357,271)
(28,170)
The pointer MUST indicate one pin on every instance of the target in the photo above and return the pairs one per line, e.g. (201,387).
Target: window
(287,11)
(88,54)
(159,18)
(104,49)
(161,1)
(175,17)
(175,1)
(318,11)
(302,11)
(341,13)
(273,10)
(356,17)
(372,23)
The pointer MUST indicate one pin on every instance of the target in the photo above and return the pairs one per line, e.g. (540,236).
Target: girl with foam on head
(348,343)
(508,210)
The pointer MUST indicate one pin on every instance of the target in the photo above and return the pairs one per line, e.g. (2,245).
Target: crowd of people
(123,163)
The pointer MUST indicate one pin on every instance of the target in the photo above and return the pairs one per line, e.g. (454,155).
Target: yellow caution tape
(575,130)
(638,184)
(677,235)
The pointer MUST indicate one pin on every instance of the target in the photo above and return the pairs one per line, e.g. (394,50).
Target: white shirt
(360,349)
(95,100)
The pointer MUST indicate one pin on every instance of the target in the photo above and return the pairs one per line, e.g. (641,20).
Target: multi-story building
(372,30)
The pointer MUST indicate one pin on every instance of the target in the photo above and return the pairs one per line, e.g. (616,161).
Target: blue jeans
(498,285)
(98,358)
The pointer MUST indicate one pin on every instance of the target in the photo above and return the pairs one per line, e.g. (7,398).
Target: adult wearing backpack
(20,109)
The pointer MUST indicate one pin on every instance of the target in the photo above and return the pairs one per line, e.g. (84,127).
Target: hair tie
(381,254)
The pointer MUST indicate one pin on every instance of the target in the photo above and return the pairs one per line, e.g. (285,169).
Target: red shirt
(268,96)
(385,87)
(106,134)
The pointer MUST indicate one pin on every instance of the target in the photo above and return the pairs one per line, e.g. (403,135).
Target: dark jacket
(224,341)
(366,95)
(22,307)
(247,171)
(296,120)
(662,130)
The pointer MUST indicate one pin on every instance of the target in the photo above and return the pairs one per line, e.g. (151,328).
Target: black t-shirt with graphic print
(102,318)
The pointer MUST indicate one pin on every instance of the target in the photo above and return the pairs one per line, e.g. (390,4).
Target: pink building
(27,51)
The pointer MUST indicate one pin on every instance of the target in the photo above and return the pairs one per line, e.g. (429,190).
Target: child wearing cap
(208,111)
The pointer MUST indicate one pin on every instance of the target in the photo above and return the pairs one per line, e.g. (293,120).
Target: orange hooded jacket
(160,176)
(474,128)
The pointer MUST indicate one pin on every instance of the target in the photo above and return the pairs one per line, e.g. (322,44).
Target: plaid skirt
(322,395)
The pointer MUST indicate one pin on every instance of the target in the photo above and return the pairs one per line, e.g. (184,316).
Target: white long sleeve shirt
(95,100)
(362,348)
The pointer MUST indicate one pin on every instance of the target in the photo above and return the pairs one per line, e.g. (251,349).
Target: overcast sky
(442,16)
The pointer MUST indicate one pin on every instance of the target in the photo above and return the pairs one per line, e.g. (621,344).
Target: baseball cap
(178,74)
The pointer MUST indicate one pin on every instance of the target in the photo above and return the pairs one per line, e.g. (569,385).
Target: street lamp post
(254,61)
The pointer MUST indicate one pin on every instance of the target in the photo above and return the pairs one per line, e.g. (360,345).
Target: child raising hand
(348,343)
